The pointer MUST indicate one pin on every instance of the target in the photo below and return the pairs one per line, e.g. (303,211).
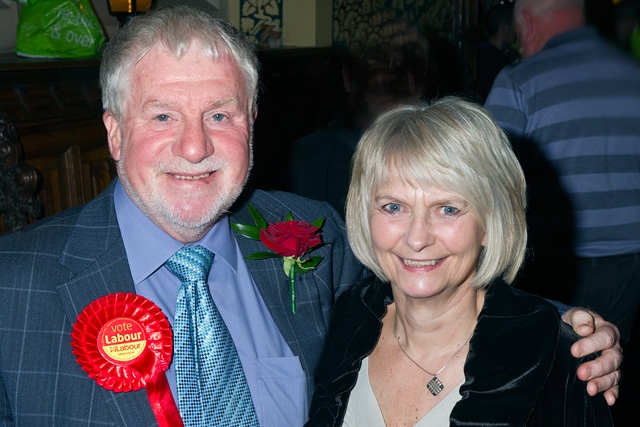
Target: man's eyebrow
(226,101)
(156,103)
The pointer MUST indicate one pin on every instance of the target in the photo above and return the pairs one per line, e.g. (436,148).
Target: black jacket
(519,370)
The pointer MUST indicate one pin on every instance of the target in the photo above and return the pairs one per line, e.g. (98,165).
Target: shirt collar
(148,247)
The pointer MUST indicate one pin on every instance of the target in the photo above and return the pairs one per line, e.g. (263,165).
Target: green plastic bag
(58,29)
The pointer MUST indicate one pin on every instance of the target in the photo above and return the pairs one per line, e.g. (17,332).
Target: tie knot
(191,264)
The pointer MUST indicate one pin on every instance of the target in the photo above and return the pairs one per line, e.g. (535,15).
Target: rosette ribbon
(124,342)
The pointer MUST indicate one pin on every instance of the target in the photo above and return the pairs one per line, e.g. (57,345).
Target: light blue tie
(212,388)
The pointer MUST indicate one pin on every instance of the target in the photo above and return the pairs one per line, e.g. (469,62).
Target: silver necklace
(435,386)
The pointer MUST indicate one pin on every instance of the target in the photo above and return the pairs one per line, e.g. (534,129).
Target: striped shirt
(572,112)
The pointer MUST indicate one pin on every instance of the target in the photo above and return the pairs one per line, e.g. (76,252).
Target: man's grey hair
(175,28)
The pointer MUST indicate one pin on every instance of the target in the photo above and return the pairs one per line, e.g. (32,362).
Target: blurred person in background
(379,72)
(497,51)
(571,108)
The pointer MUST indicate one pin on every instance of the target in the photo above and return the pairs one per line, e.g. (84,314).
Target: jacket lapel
(269,277)
(273,284)
(95,252)
(512,372)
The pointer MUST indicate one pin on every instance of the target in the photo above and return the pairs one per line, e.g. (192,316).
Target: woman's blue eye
(393,207)
(449,210)
(162,118)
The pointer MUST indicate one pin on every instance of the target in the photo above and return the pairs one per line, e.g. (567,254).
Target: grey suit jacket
(51,270)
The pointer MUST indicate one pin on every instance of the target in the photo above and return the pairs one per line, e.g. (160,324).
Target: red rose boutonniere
(292,240)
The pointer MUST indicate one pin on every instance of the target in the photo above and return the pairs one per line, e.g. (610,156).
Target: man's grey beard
(163,217)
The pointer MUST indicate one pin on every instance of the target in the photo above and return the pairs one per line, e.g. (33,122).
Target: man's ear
(114,136)
(526,22)
(526,33)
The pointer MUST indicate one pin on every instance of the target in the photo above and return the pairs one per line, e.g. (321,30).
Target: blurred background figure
(497,50)
(626,23)
(379,73)
(572,110)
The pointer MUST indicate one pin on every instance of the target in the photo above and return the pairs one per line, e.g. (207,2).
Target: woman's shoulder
(509,300)
(514,322)
(520,336)
(529,323)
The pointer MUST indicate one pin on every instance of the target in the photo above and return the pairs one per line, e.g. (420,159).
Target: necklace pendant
(435,386)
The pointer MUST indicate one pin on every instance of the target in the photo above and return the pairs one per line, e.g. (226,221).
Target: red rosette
(124,342)
(144,330)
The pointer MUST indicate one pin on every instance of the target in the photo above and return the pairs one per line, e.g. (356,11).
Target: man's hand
(603,373)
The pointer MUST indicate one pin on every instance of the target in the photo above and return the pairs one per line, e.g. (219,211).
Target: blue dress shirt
(274,374)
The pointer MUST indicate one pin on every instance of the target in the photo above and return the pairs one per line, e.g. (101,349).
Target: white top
(363,409)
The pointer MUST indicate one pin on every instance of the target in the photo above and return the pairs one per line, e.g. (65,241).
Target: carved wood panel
(56,109)
(19,182)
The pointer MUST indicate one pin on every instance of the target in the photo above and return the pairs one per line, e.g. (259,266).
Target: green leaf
(289,216)
(261,255)
(248,231)
(257,217)
(318,223)
(313,261)
(316,247)
(308,265)
(288,264)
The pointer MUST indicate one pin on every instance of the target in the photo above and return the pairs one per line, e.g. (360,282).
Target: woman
(436,209)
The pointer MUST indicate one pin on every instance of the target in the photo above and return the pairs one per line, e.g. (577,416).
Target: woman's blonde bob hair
(456,146)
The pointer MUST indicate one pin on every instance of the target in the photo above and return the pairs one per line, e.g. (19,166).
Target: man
(572,109)
(386,69)
(179,92)
(496,51)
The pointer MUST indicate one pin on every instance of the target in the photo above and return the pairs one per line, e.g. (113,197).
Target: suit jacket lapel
(273,294)
(95,252)
(272,282)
